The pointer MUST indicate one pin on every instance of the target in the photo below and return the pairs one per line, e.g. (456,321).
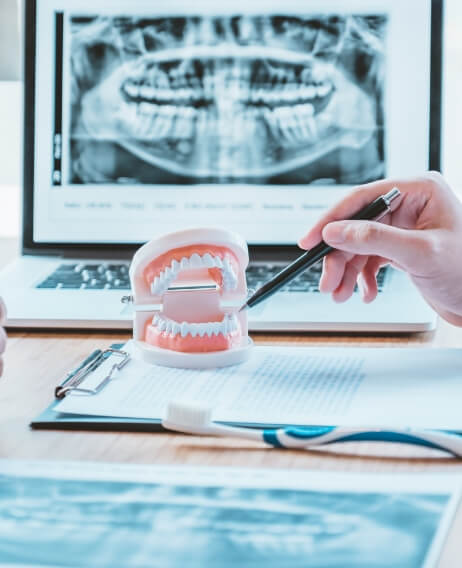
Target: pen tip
(242,307)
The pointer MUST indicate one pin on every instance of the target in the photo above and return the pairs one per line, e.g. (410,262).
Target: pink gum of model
(188,287)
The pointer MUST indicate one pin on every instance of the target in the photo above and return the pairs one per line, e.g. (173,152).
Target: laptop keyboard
(307,281)
(89,277)
(115,277)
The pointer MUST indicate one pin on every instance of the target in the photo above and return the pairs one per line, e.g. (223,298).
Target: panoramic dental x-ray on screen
(237,99)
(253,117)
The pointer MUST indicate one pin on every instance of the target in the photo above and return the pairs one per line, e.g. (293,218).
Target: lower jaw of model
(187,299)
(246,116)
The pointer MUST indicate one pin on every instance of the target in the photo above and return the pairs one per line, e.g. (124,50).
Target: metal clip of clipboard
(74,379)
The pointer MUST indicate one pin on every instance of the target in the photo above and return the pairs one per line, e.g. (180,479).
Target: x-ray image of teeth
(249,99)
(96,523)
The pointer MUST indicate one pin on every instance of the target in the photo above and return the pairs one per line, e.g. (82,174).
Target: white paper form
(417,387)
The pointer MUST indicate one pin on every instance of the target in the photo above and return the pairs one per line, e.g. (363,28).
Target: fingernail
(334,233)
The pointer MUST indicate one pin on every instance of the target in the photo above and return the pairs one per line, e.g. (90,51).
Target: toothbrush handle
(321,435)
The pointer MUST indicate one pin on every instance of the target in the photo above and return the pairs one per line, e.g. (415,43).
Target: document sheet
(415,387)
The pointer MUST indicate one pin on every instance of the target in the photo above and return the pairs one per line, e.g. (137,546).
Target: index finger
(347,207)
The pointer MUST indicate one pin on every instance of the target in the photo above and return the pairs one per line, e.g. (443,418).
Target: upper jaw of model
(188,287)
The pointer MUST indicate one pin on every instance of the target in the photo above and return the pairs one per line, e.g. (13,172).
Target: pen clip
(73,381)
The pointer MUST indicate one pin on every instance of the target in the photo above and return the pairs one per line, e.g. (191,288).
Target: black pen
(372,212)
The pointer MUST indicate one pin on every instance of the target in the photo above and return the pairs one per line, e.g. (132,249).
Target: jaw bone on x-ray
(249,99)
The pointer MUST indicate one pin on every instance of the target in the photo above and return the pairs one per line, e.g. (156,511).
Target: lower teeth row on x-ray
(258,99)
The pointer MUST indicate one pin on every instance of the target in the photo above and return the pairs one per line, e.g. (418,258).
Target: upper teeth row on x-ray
(320,37)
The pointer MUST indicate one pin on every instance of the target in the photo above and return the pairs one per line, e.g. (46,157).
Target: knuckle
(433,181)
(431,246)
(364,232)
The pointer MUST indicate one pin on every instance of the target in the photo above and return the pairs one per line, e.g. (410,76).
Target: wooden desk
(36,361)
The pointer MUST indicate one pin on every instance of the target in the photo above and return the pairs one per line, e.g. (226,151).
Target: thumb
(408,248)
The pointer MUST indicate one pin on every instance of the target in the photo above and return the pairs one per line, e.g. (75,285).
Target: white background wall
(11,98)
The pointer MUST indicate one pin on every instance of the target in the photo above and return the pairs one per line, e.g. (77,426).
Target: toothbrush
(193,418)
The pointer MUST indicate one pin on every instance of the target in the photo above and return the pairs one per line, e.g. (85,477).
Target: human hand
(422,235)
(2,333)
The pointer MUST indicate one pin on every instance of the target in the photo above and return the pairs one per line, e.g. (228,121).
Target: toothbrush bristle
(189,414)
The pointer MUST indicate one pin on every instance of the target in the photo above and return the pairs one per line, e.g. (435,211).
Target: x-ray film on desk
(131,515)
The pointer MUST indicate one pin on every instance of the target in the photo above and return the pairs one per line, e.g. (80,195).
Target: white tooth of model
(176,328)
(184,263)
(184,329)
(195,260)
(226,266)
(162,325)
(218,262)
(208,260)
(155,285)
(157,288)
(233,280)
(193,330)
(175,267)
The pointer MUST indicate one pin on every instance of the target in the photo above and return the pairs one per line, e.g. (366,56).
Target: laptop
(144,118)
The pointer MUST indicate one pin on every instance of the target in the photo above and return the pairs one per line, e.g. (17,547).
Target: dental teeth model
(188,287)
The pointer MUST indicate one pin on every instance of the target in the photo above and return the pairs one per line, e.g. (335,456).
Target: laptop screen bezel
(121,250)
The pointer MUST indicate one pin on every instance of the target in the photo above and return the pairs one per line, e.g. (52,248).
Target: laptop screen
(254,116)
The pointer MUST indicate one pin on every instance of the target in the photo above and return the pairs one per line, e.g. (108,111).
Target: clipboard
(49,419)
